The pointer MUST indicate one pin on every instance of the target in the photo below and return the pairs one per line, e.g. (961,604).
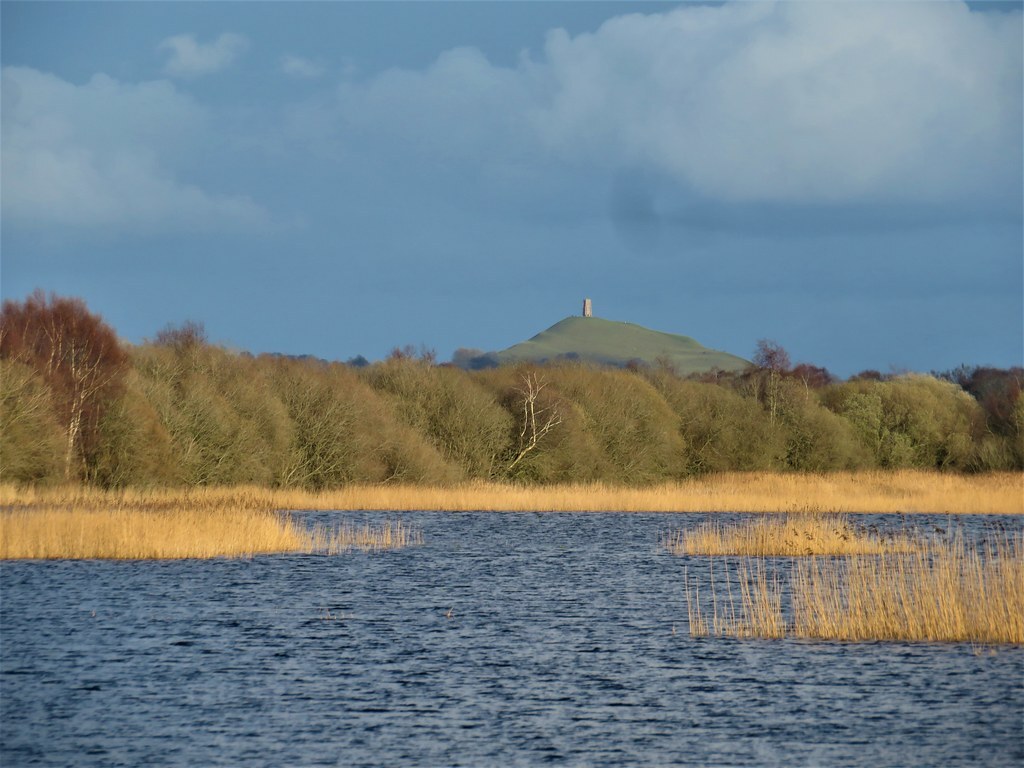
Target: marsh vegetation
(82,521)
(793,535)
(91,524)
(848,586)
(906,491)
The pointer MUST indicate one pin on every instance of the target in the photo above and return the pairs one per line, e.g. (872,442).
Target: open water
(506,639)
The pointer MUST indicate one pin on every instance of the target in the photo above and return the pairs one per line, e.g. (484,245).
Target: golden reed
(947,592)
(943,592)
(875,491)
(796,534)
(903,491)
(86,523)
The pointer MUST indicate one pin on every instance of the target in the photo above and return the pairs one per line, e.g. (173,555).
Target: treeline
(75,405)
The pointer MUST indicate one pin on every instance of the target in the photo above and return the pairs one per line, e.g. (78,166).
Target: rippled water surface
(506,639)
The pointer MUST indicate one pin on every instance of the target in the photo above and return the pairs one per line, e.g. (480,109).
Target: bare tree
(771,357)
(183,338)
(77,354)
(537,421)
(812,377)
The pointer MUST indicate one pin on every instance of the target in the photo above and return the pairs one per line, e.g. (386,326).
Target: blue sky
(342,178)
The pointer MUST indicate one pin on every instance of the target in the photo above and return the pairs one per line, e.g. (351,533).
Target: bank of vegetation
(835,493)
(78,406)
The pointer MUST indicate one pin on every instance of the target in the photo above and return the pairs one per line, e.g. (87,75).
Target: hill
(594,339)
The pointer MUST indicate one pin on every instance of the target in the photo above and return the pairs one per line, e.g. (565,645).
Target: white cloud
(99,156)
(800,101)
(190,58)
(789,102)
(297,66)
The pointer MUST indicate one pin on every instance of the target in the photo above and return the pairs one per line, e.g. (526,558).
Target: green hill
(594,339)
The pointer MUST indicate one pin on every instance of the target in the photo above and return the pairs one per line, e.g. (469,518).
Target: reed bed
(796,534)
(891,492)
(945,592)
(760,599)
(870,492)
(97,526)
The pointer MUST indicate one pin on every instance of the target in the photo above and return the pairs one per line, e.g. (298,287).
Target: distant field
(595,339)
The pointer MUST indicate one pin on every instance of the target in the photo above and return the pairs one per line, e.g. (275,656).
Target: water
(507,639)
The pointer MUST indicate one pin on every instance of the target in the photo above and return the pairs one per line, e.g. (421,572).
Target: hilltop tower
(588,308)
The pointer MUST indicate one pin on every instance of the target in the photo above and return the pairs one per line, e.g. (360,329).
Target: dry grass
(903,491)
(92,524)
(760,600)
(795,534)
(945,592)
(698,622)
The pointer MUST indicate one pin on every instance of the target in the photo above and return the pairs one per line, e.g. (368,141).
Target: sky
(338,179)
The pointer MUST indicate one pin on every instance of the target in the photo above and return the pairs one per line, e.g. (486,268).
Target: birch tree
(774,360)
(78,356)
(537,420)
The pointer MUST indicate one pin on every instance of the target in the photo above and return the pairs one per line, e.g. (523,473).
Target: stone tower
(588,308)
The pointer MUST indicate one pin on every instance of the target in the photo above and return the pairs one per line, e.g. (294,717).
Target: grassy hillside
(598,340)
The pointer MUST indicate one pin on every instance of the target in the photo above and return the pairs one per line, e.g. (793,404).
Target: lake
(506,639)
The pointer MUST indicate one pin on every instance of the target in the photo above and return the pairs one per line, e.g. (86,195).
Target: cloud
(799,101)
(789,103)
(297,66)
(100,156)
(190,58)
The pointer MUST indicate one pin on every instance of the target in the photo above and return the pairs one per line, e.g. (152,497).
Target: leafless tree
(182,338)
(537,421)
(771,357)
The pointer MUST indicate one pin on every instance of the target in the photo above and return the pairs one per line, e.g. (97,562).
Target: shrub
(225,423)
(460,418)
(344,432)
(721,429)
(911,421)
(631,426)
(135,447)
(32,442)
